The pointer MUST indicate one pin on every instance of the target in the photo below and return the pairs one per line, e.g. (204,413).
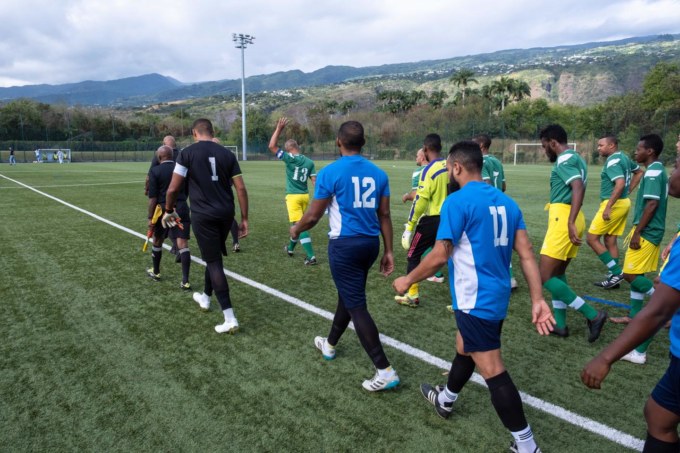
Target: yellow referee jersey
(431,191)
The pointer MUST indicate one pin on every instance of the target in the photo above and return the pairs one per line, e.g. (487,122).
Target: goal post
(233,149)
(517,145)
(52,155)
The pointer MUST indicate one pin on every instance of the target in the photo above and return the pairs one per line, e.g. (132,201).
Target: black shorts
(211,235)
(182,209)
(667,390)
(424,237)
(479,335)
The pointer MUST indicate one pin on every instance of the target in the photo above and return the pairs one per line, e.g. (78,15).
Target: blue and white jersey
(481,222)
(355,187)
(671,276)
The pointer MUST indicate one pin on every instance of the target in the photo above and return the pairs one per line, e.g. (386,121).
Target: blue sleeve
(324,187)
(671,273)
(386,184)
(451,220)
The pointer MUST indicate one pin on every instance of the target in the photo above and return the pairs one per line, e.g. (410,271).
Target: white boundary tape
(570,417)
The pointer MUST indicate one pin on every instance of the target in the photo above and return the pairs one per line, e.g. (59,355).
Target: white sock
(386,373)
(229,314)
(577,303)
(447,396)
(525,440)
(650,292)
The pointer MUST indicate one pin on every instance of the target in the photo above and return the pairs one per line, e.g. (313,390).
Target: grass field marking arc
(570,417)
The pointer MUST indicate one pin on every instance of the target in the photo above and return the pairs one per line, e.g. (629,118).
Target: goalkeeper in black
(208,167)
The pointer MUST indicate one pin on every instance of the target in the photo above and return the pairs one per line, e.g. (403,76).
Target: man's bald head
(169,140)
(164,153)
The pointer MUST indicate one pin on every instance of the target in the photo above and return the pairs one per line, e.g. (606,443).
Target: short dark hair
(653,141)
(611,138)
(468,154)
(203,126)
(483,140)
(433,142)
(554,132)
(351,135)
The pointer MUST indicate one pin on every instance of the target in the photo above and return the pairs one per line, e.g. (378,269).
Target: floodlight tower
(242,41)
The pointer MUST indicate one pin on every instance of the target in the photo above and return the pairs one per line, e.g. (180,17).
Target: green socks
(560,291)
(611,263)
(306,242)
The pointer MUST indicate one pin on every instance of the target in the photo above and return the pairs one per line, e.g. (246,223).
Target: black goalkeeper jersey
(159,181)
(209,169)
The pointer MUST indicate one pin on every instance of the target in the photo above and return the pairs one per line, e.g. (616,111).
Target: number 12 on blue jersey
(365,198)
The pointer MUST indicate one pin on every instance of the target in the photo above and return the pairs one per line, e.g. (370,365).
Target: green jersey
(415,177)
(492,170)
(298,171)
(654,186)
(568,168)
(617,166)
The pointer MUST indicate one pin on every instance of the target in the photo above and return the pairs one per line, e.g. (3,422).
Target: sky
(64,41)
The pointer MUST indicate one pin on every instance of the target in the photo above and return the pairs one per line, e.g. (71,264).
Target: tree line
(396,119)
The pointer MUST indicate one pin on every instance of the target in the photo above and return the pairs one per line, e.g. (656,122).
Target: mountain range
(605,68)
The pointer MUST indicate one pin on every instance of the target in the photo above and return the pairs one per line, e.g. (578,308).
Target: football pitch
(96,356)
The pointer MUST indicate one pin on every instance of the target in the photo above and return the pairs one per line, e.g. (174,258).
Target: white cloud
(73,40)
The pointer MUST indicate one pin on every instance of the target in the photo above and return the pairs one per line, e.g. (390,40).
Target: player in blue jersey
(357,195)
(479,228)
(662,410)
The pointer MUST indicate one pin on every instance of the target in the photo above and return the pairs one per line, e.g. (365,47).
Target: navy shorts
(349,260)
(479,335)
(667,391)
(211,235)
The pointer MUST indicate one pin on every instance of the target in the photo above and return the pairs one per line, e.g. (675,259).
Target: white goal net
(233,149)
(532,153)
(58,155)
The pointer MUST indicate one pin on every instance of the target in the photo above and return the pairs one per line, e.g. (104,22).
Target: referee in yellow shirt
(423,220)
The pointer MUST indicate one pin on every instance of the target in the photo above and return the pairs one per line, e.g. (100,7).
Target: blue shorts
(479,335)
(349,260)
(667,390)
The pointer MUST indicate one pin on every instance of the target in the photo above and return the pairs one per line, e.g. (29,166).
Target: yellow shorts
(616,224)
(556,243)
(643,260)
(296,205)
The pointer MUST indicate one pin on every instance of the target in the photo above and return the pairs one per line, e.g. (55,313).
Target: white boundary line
(77,185)
(568,416)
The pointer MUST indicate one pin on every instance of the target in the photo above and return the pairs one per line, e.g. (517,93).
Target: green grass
(95,356)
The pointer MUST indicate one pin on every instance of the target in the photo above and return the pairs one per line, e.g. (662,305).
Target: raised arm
(273,142)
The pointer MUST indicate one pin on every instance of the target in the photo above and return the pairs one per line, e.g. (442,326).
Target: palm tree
(501,90)
(462,78)
(519,90)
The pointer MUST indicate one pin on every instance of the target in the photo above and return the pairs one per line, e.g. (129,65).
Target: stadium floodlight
(242,41)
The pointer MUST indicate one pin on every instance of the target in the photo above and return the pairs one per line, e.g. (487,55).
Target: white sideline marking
(77,185)
(568,416)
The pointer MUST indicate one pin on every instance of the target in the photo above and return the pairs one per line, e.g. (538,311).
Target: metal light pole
(242,41)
